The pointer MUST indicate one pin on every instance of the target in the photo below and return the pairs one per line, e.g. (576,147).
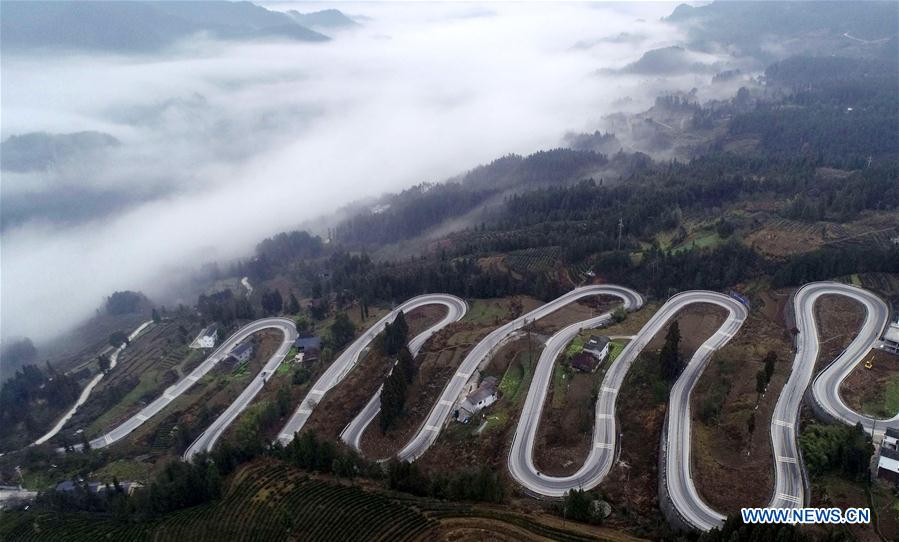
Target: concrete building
(891,339)
(308,348)
(242,352)
(481,398)
(207,337)
(888,464)
(891,439)
(598,345)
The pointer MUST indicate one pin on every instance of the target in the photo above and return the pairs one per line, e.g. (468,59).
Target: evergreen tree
(396,335)
(393,397)
(406,364)
(669,358)
(770,360)
(576,505)
(760,382)
(293,305)
(342,330)
(104,362)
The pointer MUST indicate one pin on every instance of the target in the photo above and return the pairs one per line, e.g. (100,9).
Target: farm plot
(534,259)
(267,500)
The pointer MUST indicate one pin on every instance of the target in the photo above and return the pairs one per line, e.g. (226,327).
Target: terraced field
(269,500)
(266,501)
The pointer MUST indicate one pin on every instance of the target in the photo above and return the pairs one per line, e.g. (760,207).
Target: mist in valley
(196,152)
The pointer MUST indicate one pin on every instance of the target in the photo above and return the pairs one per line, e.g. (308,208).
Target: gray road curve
(602,453)
(481,353)
(789,486)
(678,466)
(826,386)
(337,371)
(352,433)
(207,439)
(171,393)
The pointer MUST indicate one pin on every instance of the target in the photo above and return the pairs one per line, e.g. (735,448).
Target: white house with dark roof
(481,398)
(242,352)
(598,345)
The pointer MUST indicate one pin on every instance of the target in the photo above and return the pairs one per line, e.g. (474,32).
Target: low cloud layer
(224,143)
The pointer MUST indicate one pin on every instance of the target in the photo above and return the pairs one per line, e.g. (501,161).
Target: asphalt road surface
(86,392)
(480,355)
(605,438)
(171,393)
(352,433)
(206,441)
(789,485)
(338,370)
(826,387)
(678,472)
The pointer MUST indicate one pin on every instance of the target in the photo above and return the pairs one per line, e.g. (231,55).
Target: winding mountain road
(789,482)
(602,451)
(482,352)
(604,442)
(207,439)
(337,371)
(826,386)
(172,393)
(677,473)
(789,490)
(352,433)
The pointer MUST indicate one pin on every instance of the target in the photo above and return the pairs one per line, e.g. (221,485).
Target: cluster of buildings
(96,487)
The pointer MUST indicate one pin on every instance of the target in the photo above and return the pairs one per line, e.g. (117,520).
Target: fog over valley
(369,270)
(122,170)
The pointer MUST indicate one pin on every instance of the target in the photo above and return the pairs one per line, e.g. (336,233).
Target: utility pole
(620,227)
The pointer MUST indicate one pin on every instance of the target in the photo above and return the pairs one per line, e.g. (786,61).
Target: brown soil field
(733,466)
(578,311)
(865,390)
(422,318)
(832,490)
(839,319)
(339,405)
(565,431)
(634,321)
(345,400)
